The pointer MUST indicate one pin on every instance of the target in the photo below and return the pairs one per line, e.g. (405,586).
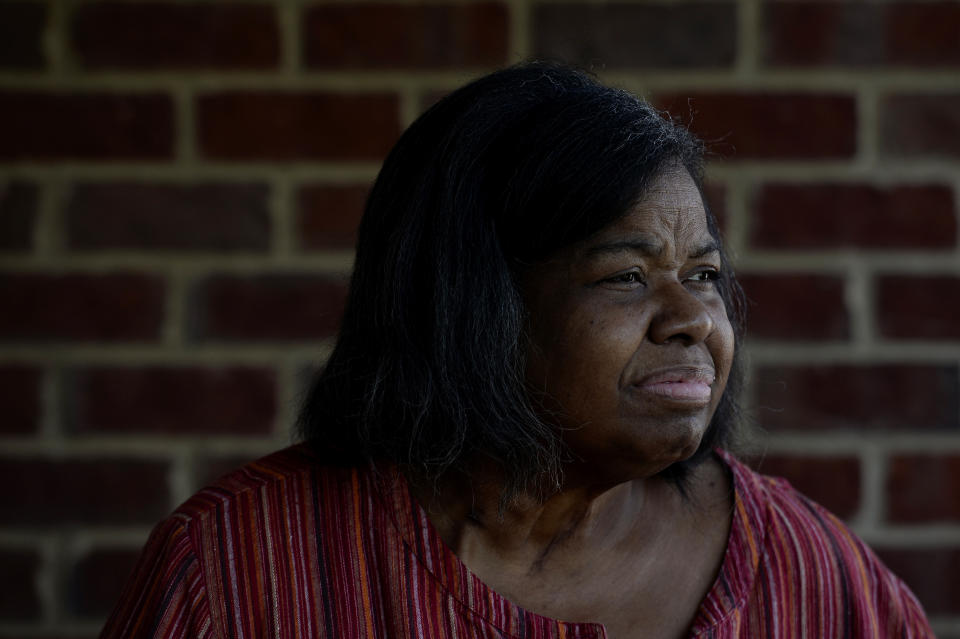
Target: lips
(684,383)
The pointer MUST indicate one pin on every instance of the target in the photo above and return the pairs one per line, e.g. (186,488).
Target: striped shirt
(286,547)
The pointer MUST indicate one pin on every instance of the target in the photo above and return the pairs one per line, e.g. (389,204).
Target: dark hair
(429,365)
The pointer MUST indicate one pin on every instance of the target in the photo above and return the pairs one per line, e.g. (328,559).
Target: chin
(633,462)
(679,445)
(687,450)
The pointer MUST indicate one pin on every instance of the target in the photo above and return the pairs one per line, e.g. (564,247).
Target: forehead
(673,190)
(670,213)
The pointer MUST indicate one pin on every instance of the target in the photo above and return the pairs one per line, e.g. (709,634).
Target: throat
(556,535)
(637,547)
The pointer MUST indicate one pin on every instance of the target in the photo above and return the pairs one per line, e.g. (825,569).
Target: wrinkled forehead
(668,216)
(672,192)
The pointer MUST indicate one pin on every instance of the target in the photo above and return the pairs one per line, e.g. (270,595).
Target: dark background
(179,187)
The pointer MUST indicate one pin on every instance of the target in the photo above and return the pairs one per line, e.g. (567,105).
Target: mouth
(688,384)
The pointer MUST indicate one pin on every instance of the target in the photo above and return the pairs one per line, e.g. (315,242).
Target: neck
(467,511)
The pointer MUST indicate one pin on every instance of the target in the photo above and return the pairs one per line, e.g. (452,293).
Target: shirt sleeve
(165,598)
(914,621)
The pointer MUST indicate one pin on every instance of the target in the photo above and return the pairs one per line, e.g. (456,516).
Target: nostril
(689,323)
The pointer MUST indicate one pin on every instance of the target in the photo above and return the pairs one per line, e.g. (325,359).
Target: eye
(625,280)
(706,275)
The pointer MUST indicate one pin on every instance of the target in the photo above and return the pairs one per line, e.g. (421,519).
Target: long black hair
(428,368)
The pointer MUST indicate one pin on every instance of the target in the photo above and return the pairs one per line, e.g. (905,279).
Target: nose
(680,316)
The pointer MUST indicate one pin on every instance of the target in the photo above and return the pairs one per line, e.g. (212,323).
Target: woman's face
(630,345)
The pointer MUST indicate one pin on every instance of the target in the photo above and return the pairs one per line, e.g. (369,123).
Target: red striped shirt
(286,547)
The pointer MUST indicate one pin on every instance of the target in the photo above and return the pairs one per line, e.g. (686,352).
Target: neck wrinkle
(466,513)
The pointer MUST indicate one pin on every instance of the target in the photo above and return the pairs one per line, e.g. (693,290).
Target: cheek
(600,352)
(590,352)
(722,344)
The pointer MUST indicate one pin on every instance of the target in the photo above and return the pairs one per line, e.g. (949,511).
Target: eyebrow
(648,248)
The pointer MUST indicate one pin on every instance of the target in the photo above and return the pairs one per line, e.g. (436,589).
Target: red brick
(209,469)
(933,574)
(183,217)
(80,306)
(854,397)
(921,125)
(918,306)
(833,482)
(18,216)
(859,34)
(154,35)
(172,400)
(755,126)
(91,126)
(268,307)
(20,397)
(329,215)
(48,492)
(923,33)
(382,36)
(682,35)
(19,600)
(297,126)
(795,306)
(96,581)
(924,488)
(803,216)
(21,35)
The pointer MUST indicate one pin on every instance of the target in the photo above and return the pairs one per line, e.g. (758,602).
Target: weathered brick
(795,306)
(833,482)
(921,125)
(803,216)
(20,397)
(918,306)
(290,306)
(80,306)
(850,396)
(922,34)
(96,581)
(171,400)
(209,469)
(297,126)
(18,569)
(18,214)
(155,35)
(933,574)
(183,217)
(364,35)
(329,215)
(923,488)
(21,34)
(82,491)
(754,126)
(85,126)
(682,35)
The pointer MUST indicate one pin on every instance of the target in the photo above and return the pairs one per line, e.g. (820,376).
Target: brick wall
(180,181)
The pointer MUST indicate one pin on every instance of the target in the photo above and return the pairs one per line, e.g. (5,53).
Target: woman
(519,431)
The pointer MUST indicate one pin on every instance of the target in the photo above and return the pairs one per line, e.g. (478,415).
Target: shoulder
(287,471)
(202,572)
(810,555)
(287,495)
